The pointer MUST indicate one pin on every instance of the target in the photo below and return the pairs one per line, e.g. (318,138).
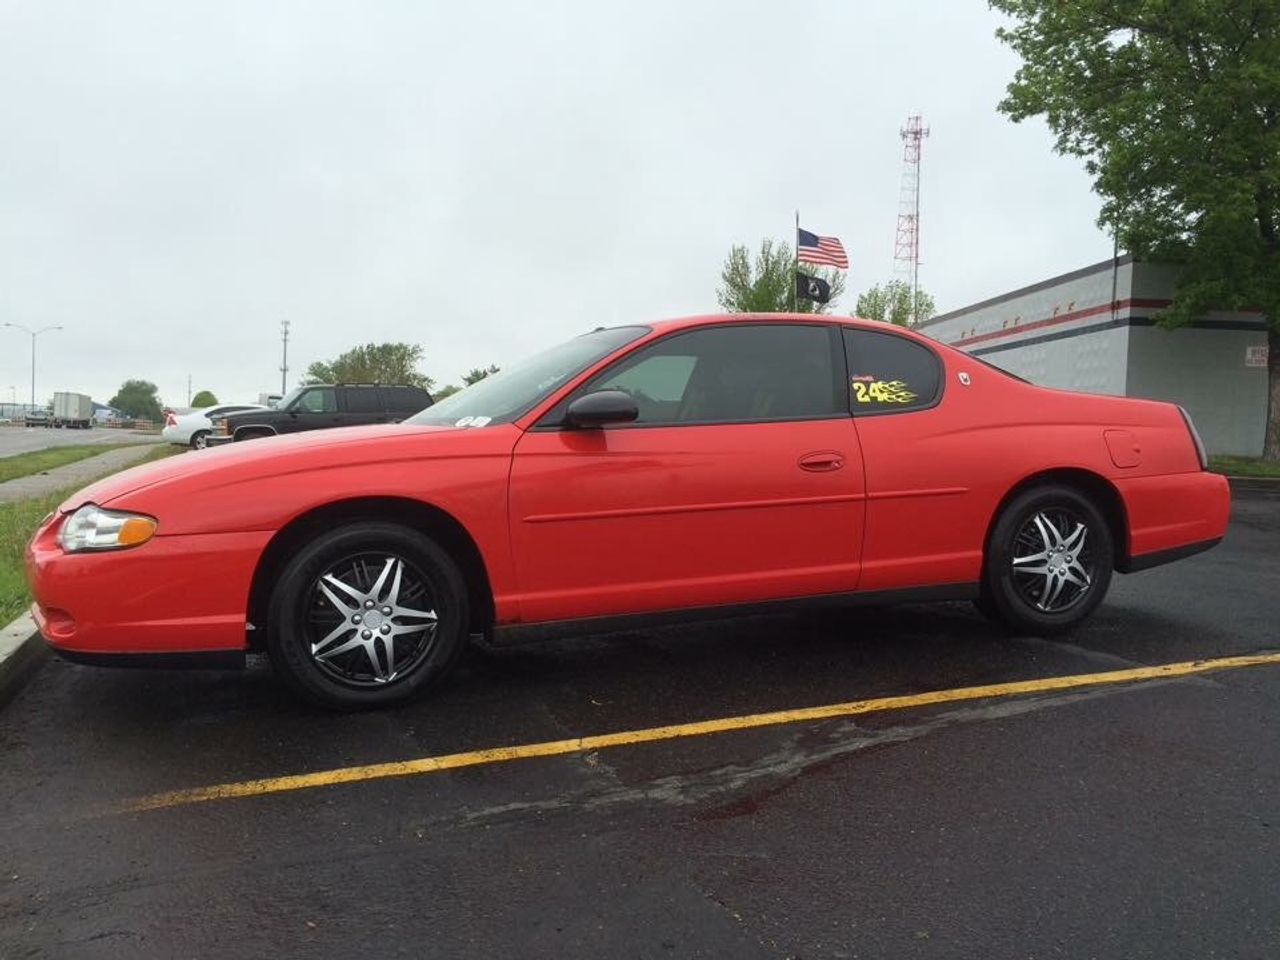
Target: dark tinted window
(889,373)
(362,400)
(317,400)
(406,400)
(732,374)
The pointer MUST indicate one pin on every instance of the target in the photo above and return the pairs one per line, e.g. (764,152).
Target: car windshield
(503,396)
(284,402)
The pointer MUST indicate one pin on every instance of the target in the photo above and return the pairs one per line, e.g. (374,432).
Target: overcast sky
(481,178)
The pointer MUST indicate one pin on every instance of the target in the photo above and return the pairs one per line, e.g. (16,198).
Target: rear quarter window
(889,373)
(406,400)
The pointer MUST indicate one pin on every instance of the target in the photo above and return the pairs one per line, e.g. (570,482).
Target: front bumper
(172,595)
(217,440)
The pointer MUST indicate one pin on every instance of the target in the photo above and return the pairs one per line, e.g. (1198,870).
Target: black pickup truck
(318,406)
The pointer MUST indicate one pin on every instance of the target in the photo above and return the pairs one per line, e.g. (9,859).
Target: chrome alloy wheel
(371,619)
(1053,568)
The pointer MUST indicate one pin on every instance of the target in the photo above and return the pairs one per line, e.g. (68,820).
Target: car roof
(701,320)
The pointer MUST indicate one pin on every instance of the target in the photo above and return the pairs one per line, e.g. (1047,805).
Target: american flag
(824,251)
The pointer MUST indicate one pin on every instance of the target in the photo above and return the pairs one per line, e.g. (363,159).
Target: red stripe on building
(1144,304)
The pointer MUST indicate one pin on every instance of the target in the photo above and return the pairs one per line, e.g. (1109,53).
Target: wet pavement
(1134,821)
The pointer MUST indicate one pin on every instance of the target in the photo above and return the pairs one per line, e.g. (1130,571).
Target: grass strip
(18,521)
(26,464)
(1245,466)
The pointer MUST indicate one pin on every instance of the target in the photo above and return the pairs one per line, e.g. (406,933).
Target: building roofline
(1099,267)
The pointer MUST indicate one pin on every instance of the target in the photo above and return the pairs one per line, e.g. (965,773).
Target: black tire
(1046,595)
(302,617)
(199,440)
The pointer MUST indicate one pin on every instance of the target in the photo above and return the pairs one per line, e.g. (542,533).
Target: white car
(192,429)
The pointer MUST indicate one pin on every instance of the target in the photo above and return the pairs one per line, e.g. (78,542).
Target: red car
(710,463)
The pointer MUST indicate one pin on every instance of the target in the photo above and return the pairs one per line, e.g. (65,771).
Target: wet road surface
(1134,821)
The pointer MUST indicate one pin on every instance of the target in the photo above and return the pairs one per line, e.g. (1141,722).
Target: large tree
(204,398)
(1175,107)
(892,303)
(137,400)
(767,284)
(373,363)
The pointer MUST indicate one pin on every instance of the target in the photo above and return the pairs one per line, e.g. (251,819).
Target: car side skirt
(1146,561)
(518,634)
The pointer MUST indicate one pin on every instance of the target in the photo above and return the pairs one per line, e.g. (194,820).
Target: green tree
(1175,108)
(767,285)
(204,398)
(477,374)
(891,303)
(373,363)
(448,390)
(137,400)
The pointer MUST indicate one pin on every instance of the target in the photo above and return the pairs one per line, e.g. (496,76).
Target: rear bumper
(1173,516)
(172,595)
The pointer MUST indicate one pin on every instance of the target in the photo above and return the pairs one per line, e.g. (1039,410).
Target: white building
(1095,330)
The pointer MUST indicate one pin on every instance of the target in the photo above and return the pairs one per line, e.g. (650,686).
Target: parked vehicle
(37,418)
(193,429)
(710,464)
(319,406)
(74,410)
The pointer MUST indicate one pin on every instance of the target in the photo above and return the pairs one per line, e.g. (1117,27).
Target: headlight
(92,528)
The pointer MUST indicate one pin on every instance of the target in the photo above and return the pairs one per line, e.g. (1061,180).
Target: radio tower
(906,245)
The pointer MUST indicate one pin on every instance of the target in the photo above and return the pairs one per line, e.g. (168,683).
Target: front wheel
(1049,561)
(367,615)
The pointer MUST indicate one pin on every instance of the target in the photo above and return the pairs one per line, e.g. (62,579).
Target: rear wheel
(1049,561)
(200,440)
(367,615)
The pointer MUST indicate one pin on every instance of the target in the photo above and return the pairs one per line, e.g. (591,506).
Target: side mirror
(603,406)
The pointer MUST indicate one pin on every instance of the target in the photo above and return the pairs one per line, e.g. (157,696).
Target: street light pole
(33,334)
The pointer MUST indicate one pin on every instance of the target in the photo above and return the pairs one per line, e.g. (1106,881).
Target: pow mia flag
(812,288)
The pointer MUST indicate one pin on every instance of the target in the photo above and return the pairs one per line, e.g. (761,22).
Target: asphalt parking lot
(1138,820)
(16,439)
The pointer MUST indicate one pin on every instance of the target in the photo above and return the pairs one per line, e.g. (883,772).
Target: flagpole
(795,267)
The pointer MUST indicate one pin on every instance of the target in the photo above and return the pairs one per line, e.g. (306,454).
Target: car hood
(290,453)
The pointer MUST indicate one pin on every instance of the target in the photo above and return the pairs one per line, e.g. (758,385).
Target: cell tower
(906,245)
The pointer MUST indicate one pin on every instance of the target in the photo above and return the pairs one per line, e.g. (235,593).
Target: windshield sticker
(871,390)
(464,422)
(472,421)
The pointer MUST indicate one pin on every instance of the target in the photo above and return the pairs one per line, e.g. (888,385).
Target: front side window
(317,400)
(732,374)
(889,373)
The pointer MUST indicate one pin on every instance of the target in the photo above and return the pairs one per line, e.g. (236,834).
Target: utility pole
(284,357)
(188,389)
(33,334)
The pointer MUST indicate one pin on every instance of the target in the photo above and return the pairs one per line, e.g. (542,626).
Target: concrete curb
(1254,484)
(21,652)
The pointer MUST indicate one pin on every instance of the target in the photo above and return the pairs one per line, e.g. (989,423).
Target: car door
(314,409)
(741,480)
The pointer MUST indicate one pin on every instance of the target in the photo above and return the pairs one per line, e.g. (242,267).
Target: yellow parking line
(553,748)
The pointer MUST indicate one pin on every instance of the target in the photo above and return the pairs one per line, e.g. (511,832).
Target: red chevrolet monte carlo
(710,463)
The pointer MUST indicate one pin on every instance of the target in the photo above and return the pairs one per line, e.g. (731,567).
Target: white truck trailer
(73,410)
